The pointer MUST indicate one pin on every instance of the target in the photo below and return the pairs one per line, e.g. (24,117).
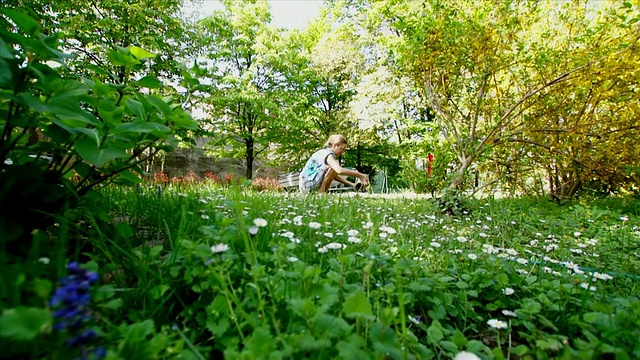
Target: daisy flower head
(388,229)
(354,240)
(497,324)
(292,259)
(219,248)
(472,256)
(353,232)
(315,225)
(465,355)
(509,313)
(253,230)
(260,222)
(508,291)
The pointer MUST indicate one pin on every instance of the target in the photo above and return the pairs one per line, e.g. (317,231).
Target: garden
(504,222)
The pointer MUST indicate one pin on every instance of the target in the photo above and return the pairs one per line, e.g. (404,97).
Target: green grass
(332,276)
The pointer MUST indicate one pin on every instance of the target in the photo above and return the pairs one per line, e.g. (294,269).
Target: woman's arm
(335,165)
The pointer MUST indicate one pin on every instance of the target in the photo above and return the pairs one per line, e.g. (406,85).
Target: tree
(481,69)
(241,103)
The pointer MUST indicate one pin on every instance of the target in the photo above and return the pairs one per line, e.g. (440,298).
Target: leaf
(23,323)
(157,291)
(356,305)
(91,133)
(137,108)
(149,82)
(121,58)
(94,155)
(434,334)
(140,53)
(24,22)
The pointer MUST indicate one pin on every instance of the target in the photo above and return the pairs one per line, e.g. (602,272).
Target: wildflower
(205,216)
(509,313)
(259,222)
(353,232)
(483,235)
(219,248)
(44,260)
(465,355)
(488,218)
(462,239)
(253,230)
(472,256)
(314,225)
(624,218)
(600,276)
(435,244)
(508,291)
(202,201)
(587,286)
(388,230)
(292,259)
(383,235)
(335,246)
(577,233)
(522,261)
(288,234)
(323,249)
(354,240)
(71,304)
(497,324)
(415,320)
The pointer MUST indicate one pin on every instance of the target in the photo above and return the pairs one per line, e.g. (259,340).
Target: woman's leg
(328,178)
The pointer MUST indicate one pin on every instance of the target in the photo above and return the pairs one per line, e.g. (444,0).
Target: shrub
(265,184)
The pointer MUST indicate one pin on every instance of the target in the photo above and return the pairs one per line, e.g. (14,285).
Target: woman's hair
(335,139)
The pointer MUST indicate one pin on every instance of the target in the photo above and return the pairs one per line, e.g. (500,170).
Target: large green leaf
(23,323)
(149,82)
(24,22)
(140,53)
(137,108)
(121,58)
(356,305)
(98,156)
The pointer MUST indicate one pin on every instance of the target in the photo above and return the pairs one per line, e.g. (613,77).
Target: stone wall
(183,161)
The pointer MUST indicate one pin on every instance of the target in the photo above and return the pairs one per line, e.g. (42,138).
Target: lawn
(201,272)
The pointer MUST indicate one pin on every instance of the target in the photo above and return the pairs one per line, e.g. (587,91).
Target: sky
(290,14)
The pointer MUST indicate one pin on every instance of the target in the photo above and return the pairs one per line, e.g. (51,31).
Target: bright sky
(290,14)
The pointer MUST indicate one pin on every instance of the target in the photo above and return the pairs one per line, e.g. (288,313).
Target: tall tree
(241,104)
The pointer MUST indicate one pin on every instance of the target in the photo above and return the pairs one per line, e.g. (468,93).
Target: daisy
(472,256)
(205,216)
(253,230)
(354,240)
(465,355)
(260,222)
(508,291)
(509,313)
(314,225)
(353,232)
(219,248)
(335,246)
(292,259)
(497,324)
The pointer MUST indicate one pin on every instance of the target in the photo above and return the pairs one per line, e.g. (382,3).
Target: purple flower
(70,303)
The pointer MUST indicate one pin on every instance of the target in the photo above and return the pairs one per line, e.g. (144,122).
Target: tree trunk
(249,157)
(461,172)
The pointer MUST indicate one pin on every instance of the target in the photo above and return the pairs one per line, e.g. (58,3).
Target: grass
(201,272)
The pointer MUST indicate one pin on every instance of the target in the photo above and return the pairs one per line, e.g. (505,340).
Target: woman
(323,167)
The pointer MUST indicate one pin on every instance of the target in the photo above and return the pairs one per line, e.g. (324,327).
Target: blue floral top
(313,172)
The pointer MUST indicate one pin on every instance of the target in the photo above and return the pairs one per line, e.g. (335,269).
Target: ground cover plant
(201,271)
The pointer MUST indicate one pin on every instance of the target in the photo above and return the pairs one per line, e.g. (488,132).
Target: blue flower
(70,303)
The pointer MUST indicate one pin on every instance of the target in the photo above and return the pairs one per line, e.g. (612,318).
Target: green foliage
(62,137)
